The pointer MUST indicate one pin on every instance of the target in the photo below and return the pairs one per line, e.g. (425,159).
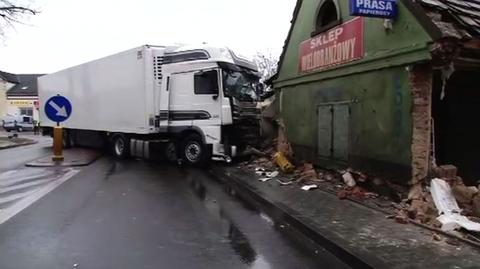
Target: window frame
(196,92)
(330,25)
(25,110)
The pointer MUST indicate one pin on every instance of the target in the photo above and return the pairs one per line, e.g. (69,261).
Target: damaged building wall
(379,124)
(373,93)
(421,85)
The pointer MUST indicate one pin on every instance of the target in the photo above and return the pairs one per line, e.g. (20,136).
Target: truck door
(206,102)
(180,99)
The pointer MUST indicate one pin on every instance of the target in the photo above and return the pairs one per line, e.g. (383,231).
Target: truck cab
(214,93)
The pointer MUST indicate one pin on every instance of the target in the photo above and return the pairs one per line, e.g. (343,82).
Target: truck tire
(120,146)
(193,151)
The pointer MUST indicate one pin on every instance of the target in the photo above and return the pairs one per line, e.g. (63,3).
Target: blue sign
(58,108)
(374,8)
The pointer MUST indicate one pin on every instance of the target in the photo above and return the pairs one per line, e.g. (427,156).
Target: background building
(22,98)
(7,81)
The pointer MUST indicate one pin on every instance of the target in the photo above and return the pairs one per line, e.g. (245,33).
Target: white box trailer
(115,93)
(198,100)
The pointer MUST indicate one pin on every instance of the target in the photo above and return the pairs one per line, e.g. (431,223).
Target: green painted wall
(380,119)
(378,87)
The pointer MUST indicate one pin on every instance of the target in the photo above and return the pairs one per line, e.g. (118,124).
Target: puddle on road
(235,237)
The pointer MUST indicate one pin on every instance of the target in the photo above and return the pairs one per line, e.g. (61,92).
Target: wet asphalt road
(15,157)
(135,214)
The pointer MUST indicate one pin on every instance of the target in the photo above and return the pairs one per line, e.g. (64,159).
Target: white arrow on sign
(61,111)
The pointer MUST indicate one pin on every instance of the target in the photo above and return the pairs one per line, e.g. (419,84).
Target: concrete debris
(402,218)
(476,205)
(264,179)
(463,194)
(282,142)
(308,173)
(445,171)
(416,192)
(348,179)
(253,151)
(285,183)
(437,237)
(357,193)
(309,187)
(443,197)
(452,242)
(448,208)
(451,222)
(273,174)
(262,172)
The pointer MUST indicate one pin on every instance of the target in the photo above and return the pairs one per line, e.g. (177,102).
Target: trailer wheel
(120,146)
(193,150)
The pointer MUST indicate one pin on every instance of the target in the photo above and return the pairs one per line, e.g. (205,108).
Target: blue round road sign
(58,108)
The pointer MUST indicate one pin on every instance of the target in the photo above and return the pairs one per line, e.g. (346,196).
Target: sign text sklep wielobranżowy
(342,44)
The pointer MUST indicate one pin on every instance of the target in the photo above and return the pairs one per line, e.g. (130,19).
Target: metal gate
(333,131)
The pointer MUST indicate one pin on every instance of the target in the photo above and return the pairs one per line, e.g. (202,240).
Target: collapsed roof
(454,18)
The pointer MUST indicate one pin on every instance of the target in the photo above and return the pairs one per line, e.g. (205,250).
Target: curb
(283,214)
(72,163)
(19,145)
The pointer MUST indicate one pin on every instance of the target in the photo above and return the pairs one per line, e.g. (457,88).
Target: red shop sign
(339,45)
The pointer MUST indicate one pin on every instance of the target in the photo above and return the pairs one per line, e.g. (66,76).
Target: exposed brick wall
(421,85)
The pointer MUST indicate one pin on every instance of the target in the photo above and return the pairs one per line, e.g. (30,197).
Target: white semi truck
(193,103)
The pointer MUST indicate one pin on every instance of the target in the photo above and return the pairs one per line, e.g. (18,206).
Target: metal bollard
(57,144)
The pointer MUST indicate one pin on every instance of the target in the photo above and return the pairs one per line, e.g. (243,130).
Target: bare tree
(13,13)
(267,64)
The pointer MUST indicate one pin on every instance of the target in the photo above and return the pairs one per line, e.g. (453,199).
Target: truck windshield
(242,85)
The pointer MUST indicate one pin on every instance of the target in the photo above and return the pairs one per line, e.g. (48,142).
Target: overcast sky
(70,32)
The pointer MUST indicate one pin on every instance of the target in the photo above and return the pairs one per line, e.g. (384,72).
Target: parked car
(18,123)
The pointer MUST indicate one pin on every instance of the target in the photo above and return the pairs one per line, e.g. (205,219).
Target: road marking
(16,196)
(20,178)
(9,212)
(24,185)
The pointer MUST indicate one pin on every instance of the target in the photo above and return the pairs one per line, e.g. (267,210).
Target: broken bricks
(445,171)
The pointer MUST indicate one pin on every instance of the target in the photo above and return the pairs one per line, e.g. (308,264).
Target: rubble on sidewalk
(405,204)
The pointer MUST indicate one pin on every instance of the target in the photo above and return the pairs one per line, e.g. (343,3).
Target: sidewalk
(360,236)
(6,142)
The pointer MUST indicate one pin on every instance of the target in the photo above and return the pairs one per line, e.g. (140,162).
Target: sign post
(58,109)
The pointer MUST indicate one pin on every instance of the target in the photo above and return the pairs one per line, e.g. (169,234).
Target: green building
(391,97)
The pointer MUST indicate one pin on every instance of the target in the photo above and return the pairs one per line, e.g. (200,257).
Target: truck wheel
(120,146)
(193,151)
